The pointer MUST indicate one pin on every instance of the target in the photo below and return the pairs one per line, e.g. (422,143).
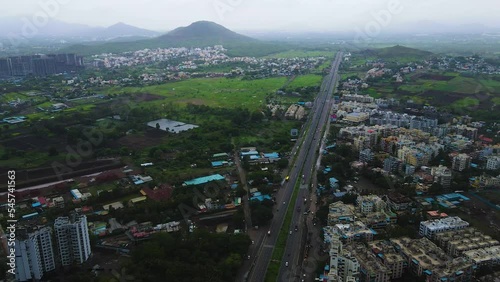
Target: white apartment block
(493,163)
(34,254)
(72,237)
(431,227)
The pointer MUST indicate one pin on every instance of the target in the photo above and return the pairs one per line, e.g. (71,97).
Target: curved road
(303,165)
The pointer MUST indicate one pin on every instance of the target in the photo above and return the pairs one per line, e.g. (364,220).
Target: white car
(286,264)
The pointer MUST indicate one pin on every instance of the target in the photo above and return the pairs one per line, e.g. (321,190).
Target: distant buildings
(40,65)
(72,236)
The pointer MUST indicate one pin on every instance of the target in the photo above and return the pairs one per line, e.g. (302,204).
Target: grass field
(305,80)
(464,85)
(215,92)
(465,102)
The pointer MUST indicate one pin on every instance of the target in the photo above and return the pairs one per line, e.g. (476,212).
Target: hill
(124,30)
(399,52)
(198,34)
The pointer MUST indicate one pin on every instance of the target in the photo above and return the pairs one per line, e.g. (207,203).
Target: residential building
(426,259)
(493,163)
(484,256)
(398,202)
(34,254)
(370,203)
(366,155)
(340,213)
(371,269)
(442,175)
(391,164)
(72,237)
(456,242)
(430,228)
(343,266)
(354,232)
(386,253)
(461,162)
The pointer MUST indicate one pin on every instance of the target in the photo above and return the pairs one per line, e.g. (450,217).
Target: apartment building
(430,228)
(442,175)
(72,237)
(34,254)
(456,242)
(461,162)
(426,259)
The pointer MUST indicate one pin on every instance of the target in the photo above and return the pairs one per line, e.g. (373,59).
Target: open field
(214,92)
(305,80)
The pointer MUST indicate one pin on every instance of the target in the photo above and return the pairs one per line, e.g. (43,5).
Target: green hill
(399,52)
(198,34)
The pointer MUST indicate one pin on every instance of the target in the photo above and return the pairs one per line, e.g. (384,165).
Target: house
(334,183)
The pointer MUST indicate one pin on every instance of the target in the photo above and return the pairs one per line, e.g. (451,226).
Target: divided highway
(303,166)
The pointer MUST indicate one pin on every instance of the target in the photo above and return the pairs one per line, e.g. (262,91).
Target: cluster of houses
(448,249)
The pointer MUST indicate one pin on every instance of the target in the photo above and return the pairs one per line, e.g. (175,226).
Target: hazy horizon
(264,15)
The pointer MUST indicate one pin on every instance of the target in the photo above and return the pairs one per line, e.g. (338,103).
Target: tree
(53,151)
(282,163)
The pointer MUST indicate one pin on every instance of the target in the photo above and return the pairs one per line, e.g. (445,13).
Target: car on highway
(290,232)
(286,264)
(287,177)
(269,233)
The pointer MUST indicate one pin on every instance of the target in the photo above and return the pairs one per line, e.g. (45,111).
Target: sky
(297,15)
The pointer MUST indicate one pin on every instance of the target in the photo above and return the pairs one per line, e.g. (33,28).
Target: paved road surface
(296,243)
(263,249)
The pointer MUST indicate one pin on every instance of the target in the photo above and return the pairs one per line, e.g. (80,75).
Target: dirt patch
(30,142)
(150,138)
(441,98)
(429,76)
(146,97)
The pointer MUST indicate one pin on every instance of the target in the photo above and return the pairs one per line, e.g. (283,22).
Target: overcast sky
(319,15)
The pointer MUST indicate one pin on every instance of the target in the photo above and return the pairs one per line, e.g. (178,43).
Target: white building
(34,254)
(493,163)
(461,162)
(431,227)
(343,266)
(72,237)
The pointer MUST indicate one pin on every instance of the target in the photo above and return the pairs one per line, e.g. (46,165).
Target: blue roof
(30,215)
(373,231)
(234,186)
(36,204)
(333,179)
(217,163)
(273,155)
(204,179)
(339,194)
(254,157)
(260,197)
(428,272)
(249,153)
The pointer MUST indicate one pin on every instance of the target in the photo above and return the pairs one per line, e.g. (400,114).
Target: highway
(303,166)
